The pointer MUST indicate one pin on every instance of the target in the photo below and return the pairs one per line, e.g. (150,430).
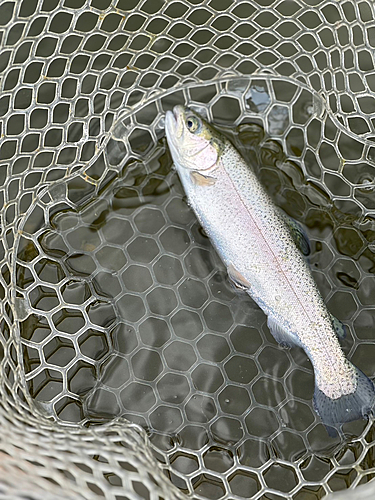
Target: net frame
(150,61)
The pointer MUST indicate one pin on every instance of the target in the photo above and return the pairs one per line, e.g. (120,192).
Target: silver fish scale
(278,254)
(252,237)
(114,308)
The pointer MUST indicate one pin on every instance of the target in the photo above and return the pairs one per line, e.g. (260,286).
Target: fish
(264,252)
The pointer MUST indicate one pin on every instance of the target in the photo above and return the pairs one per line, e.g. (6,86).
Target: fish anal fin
(202,180)
(298,234)
(237,279)
(282,337)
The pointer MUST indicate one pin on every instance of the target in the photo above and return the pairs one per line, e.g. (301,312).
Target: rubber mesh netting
(130,367)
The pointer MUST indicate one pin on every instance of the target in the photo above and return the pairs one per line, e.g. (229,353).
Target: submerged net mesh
(130,367)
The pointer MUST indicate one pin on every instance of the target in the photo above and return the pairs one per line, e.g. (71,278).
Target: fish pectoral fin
(282,337)
(298,234)
(339,327)
(202,180)
(237,279)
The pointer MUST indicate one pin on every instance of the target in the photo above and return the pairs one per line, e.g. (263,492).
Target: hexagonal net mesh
(130,367)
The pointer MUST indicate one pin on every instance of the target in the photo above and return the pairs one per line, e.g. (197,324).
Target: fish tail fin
(348,407)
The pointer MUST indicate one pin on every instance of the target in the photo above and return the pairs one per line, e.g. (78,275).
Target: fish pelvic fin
(347,408)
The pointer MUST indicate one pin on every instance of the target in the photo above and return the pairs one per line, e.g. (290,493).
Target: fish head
(193,143)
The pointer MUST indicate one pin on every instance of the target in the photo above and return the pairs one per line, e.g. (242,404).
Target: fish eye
(192,123)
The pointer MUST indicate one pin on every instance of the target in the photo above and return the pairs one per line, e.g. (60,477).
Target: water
(132,313)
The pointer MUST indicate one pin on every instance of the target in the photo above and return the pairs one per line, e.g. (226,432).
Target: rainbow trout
(257,243)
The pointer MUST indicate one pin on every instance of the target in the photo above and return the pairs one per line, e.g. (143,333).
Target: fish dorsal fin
(298,233)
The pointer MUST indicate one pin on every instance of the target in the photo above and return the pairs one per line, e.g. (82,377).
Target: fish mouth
(170,124)
(175,112)
(178,111)
(172,133)
(174,123)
